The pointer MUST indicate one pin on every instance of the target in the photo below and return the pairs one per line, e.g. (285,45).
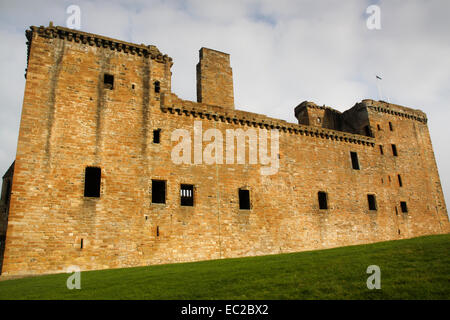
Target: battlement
(147,51)
(395,109)
(171,103)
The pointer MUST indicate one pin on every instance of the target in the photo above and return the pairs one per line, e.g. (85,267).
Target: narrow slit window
(323,200)
(368,131)
(158,191)
(404,206)
(355,162)
(157,136)
(244,199)
(187,195)
(92,182)
(371,199)
(378,127)
(394,150)
(157,87)
(81,244)
(108,80)
(400,182)
(381,149)
(391,127)
(157,231)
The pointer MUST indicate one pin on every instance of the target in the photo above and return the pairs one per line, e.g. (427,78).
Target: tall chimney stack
(215,79)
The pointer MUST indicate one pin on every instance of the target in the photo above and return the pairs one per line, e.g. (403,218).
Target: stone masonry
(96,102)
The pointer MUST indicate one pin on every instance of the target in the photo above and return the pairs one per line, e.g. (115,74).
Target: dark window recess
(381,149)
(378,127)
(187,195)
(244,199)
(403,206)
(400,183)
(157,87)
(156,136)
(81,244)
(389,177)
(368,131)
(108,80)
(391,127)
(394,150)
(157,231)
(355,162)
(92,181)
(158,191)
(372,202)
(133,86)
(396,211)
(323,200)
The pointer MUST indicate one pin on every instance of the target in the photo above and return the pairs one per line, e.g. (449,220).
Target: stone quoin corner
(93,183)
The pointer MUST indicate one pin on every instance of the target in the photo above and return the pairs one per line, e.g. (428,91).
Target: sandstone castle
(94,184)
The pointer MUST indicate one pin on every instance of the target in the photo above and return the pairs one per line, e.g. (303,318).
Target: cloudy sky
(282,53)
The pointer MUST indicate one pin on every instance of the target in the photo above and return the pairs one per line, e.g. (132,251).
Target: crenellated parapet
(172,104)
(147,51)
(396,110)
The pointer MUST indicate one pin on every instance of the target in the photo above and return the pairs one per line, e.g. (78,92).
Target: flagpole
(380,97)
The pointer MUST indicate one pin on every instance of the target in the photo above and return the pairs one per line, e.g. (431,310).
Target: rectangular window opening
(244,199)
(355,162)
(158,191)
(157,136)
(108,80)
(187,195)
(378,127)
(372,201)
(381,149)
(400,183)
(157,87)
(394,150)
(391,127)
(368,131)
(92,182)
(404,206)
(323,200)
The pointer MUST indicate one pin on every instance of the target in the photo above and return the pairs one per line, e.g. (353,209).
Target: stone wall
(72,120)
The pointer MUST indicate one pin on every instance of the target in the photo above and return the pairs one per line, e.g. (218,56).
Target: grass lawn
(410,269)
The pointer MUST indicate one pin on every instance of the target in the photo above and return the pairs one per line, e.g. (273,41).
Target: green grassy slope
(410,269)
